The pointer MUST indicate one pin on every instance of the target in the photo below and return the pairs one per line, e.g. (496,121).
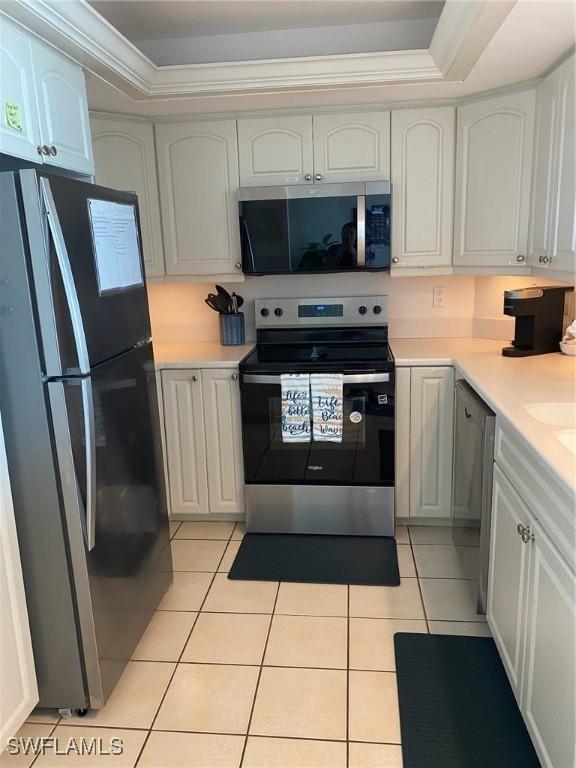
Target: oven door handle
(348,378)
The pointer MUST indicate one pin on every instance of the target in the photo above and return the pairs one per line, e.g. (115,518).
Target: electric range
(342,486)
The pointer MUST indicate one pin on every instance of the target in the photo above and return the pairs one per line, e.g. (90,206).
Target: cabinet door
(63,110)
(185,442)
(563,250)
(124,158)
(223,440)
(352,147)
(198,174)
(18,692)
(275,150)
(493,170)
(431,441)
(506,611)
(545,130)
(548,697)
(402,437)
(423,186)
(19,132)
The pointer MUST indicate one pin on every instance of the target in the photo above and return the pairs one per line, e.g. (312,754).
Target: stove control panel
(348,311)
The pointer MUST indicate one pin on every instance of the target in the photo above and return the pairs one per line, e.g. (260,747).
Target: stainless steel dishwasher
(474,425)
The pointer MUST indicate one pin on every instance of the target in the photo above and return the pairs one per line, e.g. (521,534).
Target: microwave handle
(247,240)
(361,232)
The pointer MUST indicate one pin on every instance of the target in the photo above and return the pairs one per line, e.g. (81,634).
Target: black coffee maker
(539,314)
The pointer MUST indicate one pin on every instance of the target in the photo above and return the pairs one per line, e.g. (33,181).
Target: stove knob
(377,309)
(264,312)
(278,311)
(362,309)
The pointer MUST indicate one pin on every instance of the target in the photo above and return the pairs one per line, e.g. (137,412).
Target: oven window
(364,457)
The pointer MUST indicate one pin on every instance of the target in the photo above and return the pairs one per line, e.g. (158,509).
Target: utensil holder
(232,329)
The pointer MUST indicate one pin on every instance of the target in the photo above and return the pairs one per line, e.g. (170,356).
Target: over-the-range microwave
(315,228)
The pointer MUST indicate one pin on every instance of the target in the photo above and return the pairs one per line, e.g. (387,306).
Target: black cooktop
(339,350)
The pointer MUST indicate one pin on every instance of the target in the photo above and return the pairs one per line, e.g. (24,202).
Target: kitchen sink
(555,414)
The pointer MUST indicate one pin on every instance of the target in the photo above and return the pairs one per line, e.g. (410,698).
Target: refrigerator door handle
(90,443)
(67,276)
(66,469)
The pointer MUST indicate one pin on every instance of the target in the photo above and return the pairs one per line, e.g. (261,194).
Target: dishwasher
(474,426)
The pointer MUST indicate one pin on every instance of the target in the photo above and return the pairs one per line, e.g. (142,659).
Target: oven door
(364,457)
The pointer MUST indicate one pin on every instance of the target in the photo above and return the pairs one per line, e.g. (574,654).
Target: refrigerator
(80,408)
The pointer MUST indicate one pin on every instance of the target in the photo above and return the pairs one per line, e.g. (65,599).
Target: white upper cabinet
(19,130)
(431,441)
(553,212)
(352,147)
(275,151)
(543,172)
(124,159)
(493,171)
(198,175)
(563,250)
(63,110)
(422,186)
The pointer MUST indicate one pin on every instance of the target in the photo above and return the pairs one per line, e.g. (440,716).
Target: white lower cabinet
(223,440)
(431,441)
(532,615)
(424,407)
(203,442)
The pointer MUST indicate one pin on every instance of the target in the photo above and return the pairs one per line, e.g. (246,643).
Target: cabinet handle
(395,260)
(545,259)
(234,377)
(45,149)
(238,265)
(318,176)
(520,258)
(39,150)
(308,177)
(521,529)
(194,378)
(53,150)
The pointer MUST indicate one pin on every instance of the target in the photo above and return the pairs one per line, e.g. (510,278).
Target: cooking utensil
(225,298)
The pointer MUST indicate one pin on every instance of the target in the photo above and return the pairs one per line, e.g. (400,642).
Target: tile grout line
(56,724)
(259,676)
(347,675)
(151,727)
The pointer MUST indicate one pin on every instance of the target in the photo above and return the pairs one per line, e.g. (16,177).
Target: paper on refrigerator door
(116,245)
(327,406)
(295,407)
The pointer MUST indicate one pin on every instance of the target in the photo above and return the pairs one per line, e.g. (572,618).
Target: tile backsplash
(473,306)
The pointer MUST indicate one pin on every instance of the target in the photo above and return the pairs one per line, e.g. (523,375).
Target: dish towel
(327,406)
(295,407)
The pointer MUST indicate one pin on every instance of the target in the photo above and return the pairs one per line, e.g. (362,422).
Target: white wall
(473,306)
(178,311)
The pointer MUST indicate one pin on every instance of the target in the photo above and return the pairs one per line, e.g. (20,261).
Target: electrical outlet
(438,296)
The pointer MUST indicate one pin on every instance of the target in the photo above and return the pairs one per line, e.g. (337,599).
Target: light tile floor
(268,675)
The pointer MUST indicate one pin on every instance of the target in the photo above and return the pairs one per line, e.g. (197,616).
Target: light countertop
(507,384)
(198,354)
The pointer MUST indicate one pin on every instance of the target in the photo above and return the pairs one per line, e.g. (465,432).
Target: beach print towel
(327,406)
(295,407)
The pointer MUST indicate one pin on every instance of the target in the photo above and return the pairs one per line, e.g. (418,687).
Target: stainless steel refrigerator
(79,404)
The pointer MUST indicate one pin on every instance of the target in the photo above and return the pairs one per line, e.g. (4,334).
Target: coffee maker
(539,314)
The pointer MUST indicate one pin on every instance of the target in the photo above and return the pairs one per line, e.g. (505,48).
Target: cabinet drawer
(552,505)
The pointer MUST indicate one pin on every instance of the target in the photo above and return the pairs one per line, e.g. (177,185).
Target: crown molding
(464,29)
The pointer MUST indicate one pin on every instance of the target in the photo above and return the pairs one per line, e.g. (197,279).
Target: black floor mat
(317,559)
(457,709)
